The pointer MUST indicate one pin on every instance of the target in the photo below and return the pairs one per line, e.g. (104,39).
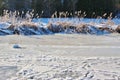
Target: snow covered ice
(60,56)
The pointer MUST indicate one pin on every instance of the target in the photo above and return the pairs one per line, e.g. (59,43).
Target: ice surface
(60,56)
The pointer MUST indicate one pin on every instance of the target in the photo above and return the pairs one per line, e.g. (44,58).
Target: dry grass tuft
(106,29)
(84,28)
(31,25)
(55,28)
(25,25)
(118,29)
(11,27)
(66,26)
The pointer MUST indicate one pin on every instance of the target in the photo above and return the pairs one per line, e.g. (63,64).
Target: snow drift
(33,28)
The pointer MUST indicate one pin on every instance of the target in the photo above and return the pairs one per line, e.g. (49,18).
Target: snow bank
(58,26)
(84,28)
(28,28)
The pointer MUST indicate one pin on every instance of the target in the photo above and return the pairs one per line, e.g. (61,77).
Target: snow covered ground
(60,57)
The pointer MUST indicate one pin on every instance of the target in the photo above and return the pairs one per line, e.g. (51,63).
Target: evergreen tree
(2,6)
(97,6)
(50,6)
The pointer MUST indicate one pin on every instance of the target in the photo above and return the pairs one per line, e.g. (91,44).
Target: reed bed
(62,22)
(75,23)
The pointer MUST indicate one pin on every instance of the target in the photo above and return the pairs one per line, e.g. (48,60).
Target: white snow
(4,25)
(60,57)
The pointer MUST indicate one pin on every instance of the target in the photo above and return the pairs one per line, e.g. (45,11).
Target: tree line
(46,8)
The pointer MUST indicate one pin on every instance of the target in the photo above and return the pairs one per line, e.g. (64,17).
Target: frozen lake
(60,56)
